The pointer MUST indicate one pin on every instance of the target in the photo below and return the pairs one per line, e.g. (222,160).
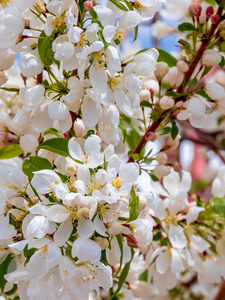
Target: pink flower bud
(177,167)
(88,5)
(182,66)
(142,202)
(175,77)
(162,158)
(195,10)
(211,58)
(209,11)
(83,213)
(141,289)
(79,127)
(166,102)
(215,19)
(3,77)
(161,70)
(114,228)
(150,136)
(161,171)
(144,95)
(71,168)
(103,243)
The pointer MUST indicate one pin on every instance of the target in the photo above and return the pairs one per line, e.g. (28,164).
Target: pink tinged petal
(123,102)
(197,122)
(85,228)
(176,262)
(162,262)
(109,32)
(105,15)
(74,34)
(63,233)
(199,244)
(38,227)
(184,115)
(86,250)
(113,60)
(58,110)
(75,150)
(129,173)
(193,213)
(98,78)
(177,237)
(58,213)
(90,112)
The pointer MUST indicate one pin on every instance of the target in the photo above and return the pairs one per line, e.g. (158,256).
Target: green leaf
(174,130)
(157,236)
(3,270)
(52,131)
(186,27)
(28,253)
(56,145)
(123,129)
(135,33)
(206,71)
(153,177)
(10,151)
(203,94)
(143,276)
(134,210)
(172,94)
(35,163)
(119,5)
(120,242)
(222,63)
(218,205)
(167,58)
(146,104)
(165,130)
(221,3)
(185,43)
(212,247)
(124,273)
(12,291)
(129,5)
(45,48)
(132,139)
(89,133)
(13,90)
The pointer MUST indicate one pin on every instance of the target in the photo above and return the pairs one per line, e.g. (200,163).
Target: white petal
(109,32)
(92,144)
(90,112)
(105,15)
(98,78)
(38,227)
(85,228)
(75,150)
(193,213)
(162,262)
(57,213)
(130,19)
(129,173)
(123,102)
(63,233)
(113,60)
(177,237)
(74,34)
(57,110)
(86,250)
(199,244)
(176,262)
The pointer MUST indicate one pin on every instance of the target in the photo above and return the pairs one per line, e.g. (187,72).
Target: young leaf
(218,205)
(186,27)
(52,131)
(45,48)
(174,130)
(123,129)
(165,130)
(134,210)
(185,43)
(10,151)
(89,133)
(35,163)
(56,145)
(167,58)
(119,5)
(3,270)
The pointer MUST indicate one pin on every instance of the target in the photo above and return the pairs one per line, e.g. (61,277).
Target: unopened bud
(162,158)
(71,168)
(209,11)
(166,102)
(211,58)
(3,77)
(83,213)
(195,10)
(150,136)
(141,289)
(215,19)
(175,77)
(144,95)
(88,5)
(161,171)
(177,167)
(103,243)
(142,202)
(161,70)
(79,127)
(182,66)
(7,58)
(114,228)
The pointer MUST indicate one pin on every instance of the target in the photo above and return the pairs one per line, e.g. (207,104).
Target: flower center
(117,182)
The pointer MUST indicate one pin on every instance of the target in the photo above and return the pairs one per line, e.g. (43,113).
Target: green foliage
(186,27)
(56,145)
(218,206)
(134,210)
(119,5)
(132,139)
(10,151)
(184,43)
(123,129)
(52,131)
(174,130)
(3,270)
(89,133)
(146,104)
(45,48)
(167,58)
(33,164)
(143,276)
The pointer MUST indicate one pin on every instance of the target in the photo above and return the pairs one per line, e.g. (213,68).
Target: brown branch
(40,78)
(221,293)
(201,50)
